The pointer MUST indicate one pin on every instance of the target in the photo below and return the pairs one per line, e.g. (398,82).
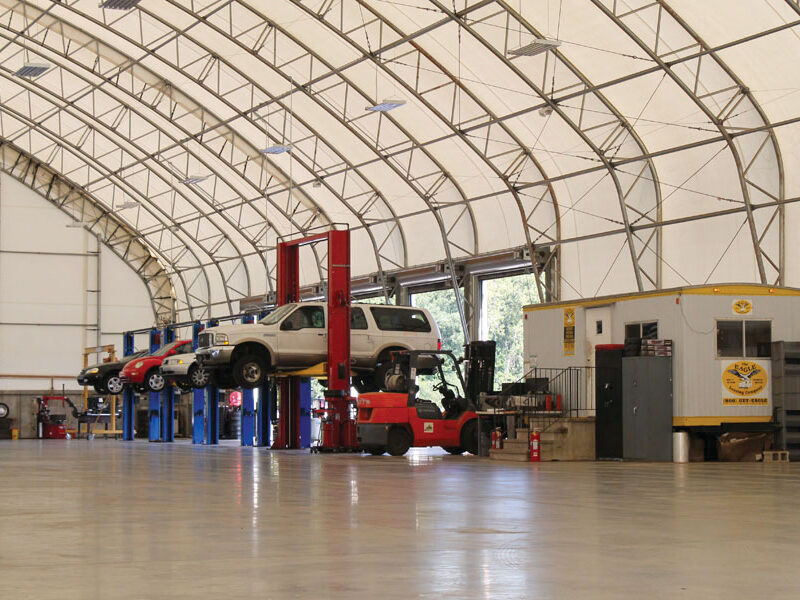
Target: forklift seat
(427,410)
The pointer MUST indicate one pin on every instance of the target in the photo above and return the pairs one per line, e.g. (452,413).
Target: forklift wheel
(376,451)
(469,436)
(399,442)
(453,450)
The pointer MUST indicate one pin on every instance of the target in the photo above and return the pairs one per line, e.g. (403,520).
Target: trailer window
(647,330)
(751,339)
(758,339)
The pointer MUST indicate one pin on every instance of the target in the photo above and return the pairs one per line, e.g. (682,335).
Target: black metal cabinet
(647,408)
(608,402)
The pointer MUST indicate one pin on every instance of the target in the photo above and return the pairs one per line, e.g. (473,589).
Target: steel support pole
(128,397)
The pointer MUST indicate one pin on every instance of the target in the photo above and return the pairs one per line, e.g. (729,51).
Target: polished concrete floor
(107,519)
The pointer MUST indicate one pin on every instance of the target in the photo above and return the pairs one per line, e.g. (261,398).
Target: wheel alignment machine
(338,427)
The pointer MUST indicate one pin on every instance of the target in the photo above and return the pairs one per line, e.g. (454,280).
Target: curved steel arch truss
(116,235)
(172,110)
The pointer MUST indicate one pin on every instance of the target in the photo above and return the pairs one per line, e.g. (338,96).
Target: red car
(144,375)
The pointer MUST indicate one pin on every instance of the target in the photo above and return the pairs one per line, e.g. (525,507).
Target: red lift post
(339,427)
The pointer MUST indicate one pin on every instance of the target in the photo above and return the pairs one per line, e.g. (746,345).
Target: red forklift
(397,419)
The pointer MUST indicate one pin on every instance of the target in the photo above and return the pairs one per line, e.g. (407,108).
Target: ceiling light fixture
(537,46)
(276,149)
(546,111)
(119,4)
(32,70)
(128,204)
(386,106)
(192,179)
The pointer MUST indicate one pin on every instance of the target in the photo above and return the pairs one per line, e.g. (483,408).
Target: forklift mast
(480,359)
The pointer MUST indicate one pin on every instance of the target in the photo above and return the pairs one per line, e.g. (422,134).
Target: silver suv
(295,336)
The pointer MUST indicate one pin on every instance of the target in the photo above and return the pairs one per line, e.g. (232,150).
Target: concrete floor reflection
(107,519)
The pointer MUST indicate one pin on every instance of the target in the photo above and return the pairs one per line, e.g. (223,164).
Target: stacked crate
(647,347)
(786,395)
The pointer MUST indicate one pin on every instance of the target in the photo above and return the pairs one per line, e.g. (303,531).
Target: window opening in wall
(749,339)
(502,321)
(647,330)
(442,305)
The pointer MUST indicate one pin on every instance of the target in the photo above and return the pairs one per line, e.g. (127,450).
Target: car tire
(453,450)
(250,371)
(198,377)
(112,384)
(399,441)
(469,436)
(154,380)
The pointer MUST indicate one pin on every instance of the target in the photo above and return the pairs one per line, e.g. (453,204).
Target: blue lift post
(198,396)
(305,412)
(168,397)
(128,398)
(155,397)
(248,406)
(266,402)
(212,406)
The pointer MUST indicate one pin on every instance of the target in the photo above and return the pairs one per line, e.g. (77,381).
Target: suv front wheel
(250,371)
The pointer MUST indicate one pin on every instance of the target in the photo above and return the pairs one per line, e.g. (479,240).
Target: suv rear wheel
(250,371)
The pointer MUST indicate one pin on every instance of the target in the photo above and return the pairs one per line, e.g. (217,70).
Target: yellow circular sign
(742,307)
(744,378)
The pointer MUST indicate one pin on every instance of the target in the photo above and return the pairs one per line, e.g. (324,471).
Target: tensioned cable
(724,252)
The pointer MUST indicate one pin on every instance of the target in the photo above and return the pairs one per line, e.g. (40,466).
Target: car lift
(338,425)
(292,392)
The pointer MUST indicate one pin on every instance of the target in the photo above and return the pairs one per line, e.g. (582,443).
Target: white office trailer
(721,336)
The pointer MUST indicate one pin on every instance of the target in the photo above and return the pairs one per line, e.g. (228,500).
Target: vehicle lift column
(266,403)
(212,406)
(248,406)
(338,425)
(339,428)
(154,432)
(198,395)
(168,397)
(128,397)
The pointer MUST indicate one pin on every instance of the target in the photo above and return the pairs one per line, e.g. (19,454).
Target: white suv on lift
(295,336)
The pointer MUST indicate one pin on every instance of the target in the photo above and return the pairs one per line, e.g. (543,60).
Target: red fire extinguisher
(494,439)
(499,439)
(534,446)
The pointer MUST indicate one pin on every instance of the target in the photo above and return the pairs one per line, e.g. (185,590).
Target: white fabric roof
(655,146)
